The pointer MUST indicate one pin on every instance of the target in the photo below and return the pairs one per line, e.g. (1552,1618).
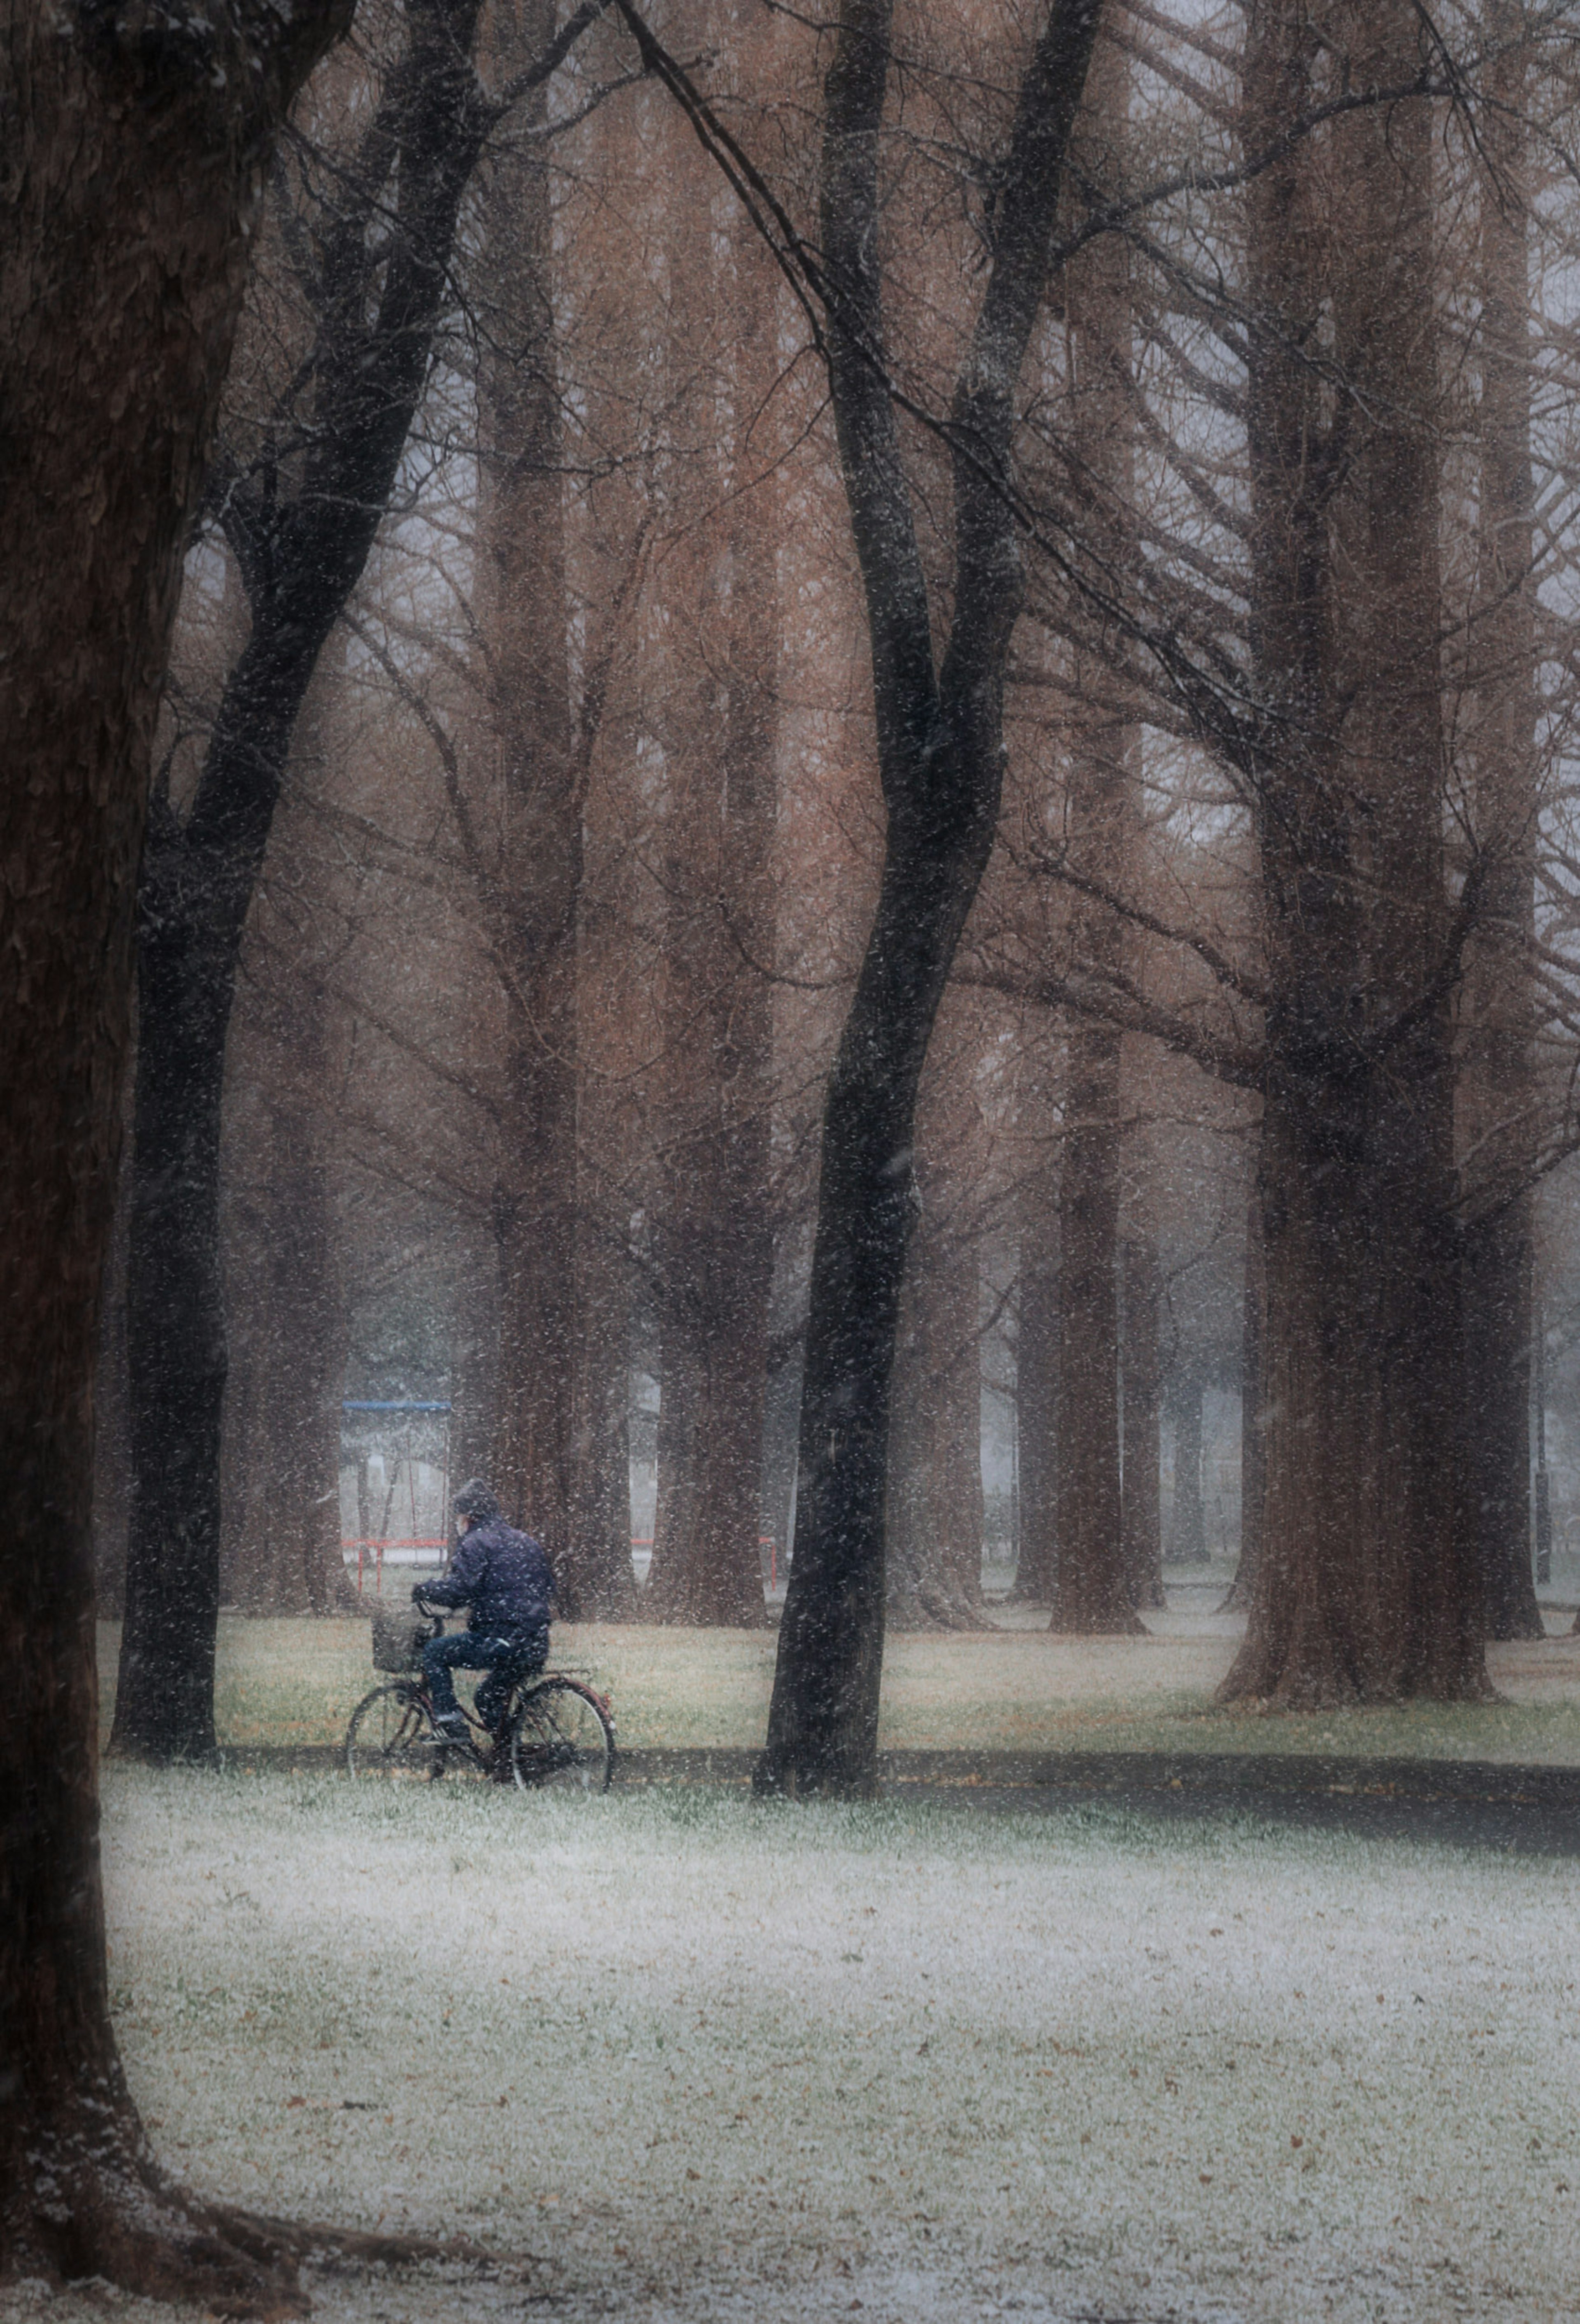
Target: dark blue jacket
(502,1574)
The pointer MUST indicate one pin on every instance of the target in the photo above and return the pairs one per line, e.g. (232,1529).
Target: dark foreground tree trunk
(135,150)
(940,752)
(301,554)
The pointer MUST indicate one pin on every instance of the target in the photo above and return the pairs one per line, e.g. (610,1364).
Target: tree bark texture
(1367,1589)
(940,741)
(135,150)
(1092,1589)
(935,1508)
(112,1456)
(1188,1534)
(285,1292)
(1497,1089)
(301,553)
(1253,1410)
(1036,1391)
(1141,1380)
(601,1472)
(282,1551)
(533,874)
(716,1259)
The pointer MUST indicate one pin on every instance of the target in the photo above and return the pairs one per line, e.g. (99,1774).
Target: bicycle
(556,1733)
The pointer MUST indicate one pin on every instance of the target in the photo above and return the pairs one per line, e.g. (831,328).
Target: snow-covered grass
(708,2061)
(1015,1689)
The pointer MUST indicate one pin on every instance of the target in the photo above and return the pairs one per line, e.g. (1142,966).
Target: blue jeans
(508,1660)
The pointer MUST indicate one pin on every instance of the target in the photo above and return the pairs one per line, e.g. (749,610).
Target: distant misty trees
(632,855)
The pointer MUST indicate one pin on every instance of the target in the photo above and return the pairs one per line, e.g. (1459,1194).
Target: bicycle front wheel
(392,1734)
(561,1739)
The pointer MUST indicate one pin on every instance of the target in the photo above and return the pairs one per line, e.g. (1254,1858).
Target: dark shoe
(452,1727)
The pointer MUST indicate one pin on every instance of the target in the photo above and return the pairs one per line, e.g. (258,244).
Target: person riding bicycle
(506,1580)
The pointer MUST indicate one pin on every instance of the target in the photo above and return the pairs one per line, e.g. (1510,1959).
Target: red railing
(379,1548)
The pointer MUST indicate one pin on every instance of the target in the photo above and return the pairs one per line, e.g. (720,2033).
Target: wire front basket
(400,1634)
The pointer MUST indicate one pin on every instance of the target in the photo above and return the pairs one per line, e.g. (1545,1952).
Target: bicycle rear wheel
(561,1739)
(392,1734)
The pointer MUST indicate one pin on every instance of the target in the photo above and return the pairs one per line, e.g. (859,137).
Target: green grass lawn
(295,1681)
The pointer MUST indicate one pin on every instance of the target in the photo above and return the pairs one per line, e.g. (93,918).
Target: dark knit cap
(476,1499)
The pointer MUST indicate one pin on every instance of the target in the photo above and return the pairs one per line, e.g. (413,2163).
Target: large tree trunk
(780,1417)
(475,1362)
(600,1507)
(112,1462)
(537,877)
(1497,1090)
(285,1296)
(1141,1376)
(1188,1533)
(939,737)
(1253,1411)
(706,1561)
(138,148)
(717,1264)
(935,1510)
(1036,1393)
(282,1536)
(301,555)
(717,1259)
(1365,1590)
(1092,1589)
